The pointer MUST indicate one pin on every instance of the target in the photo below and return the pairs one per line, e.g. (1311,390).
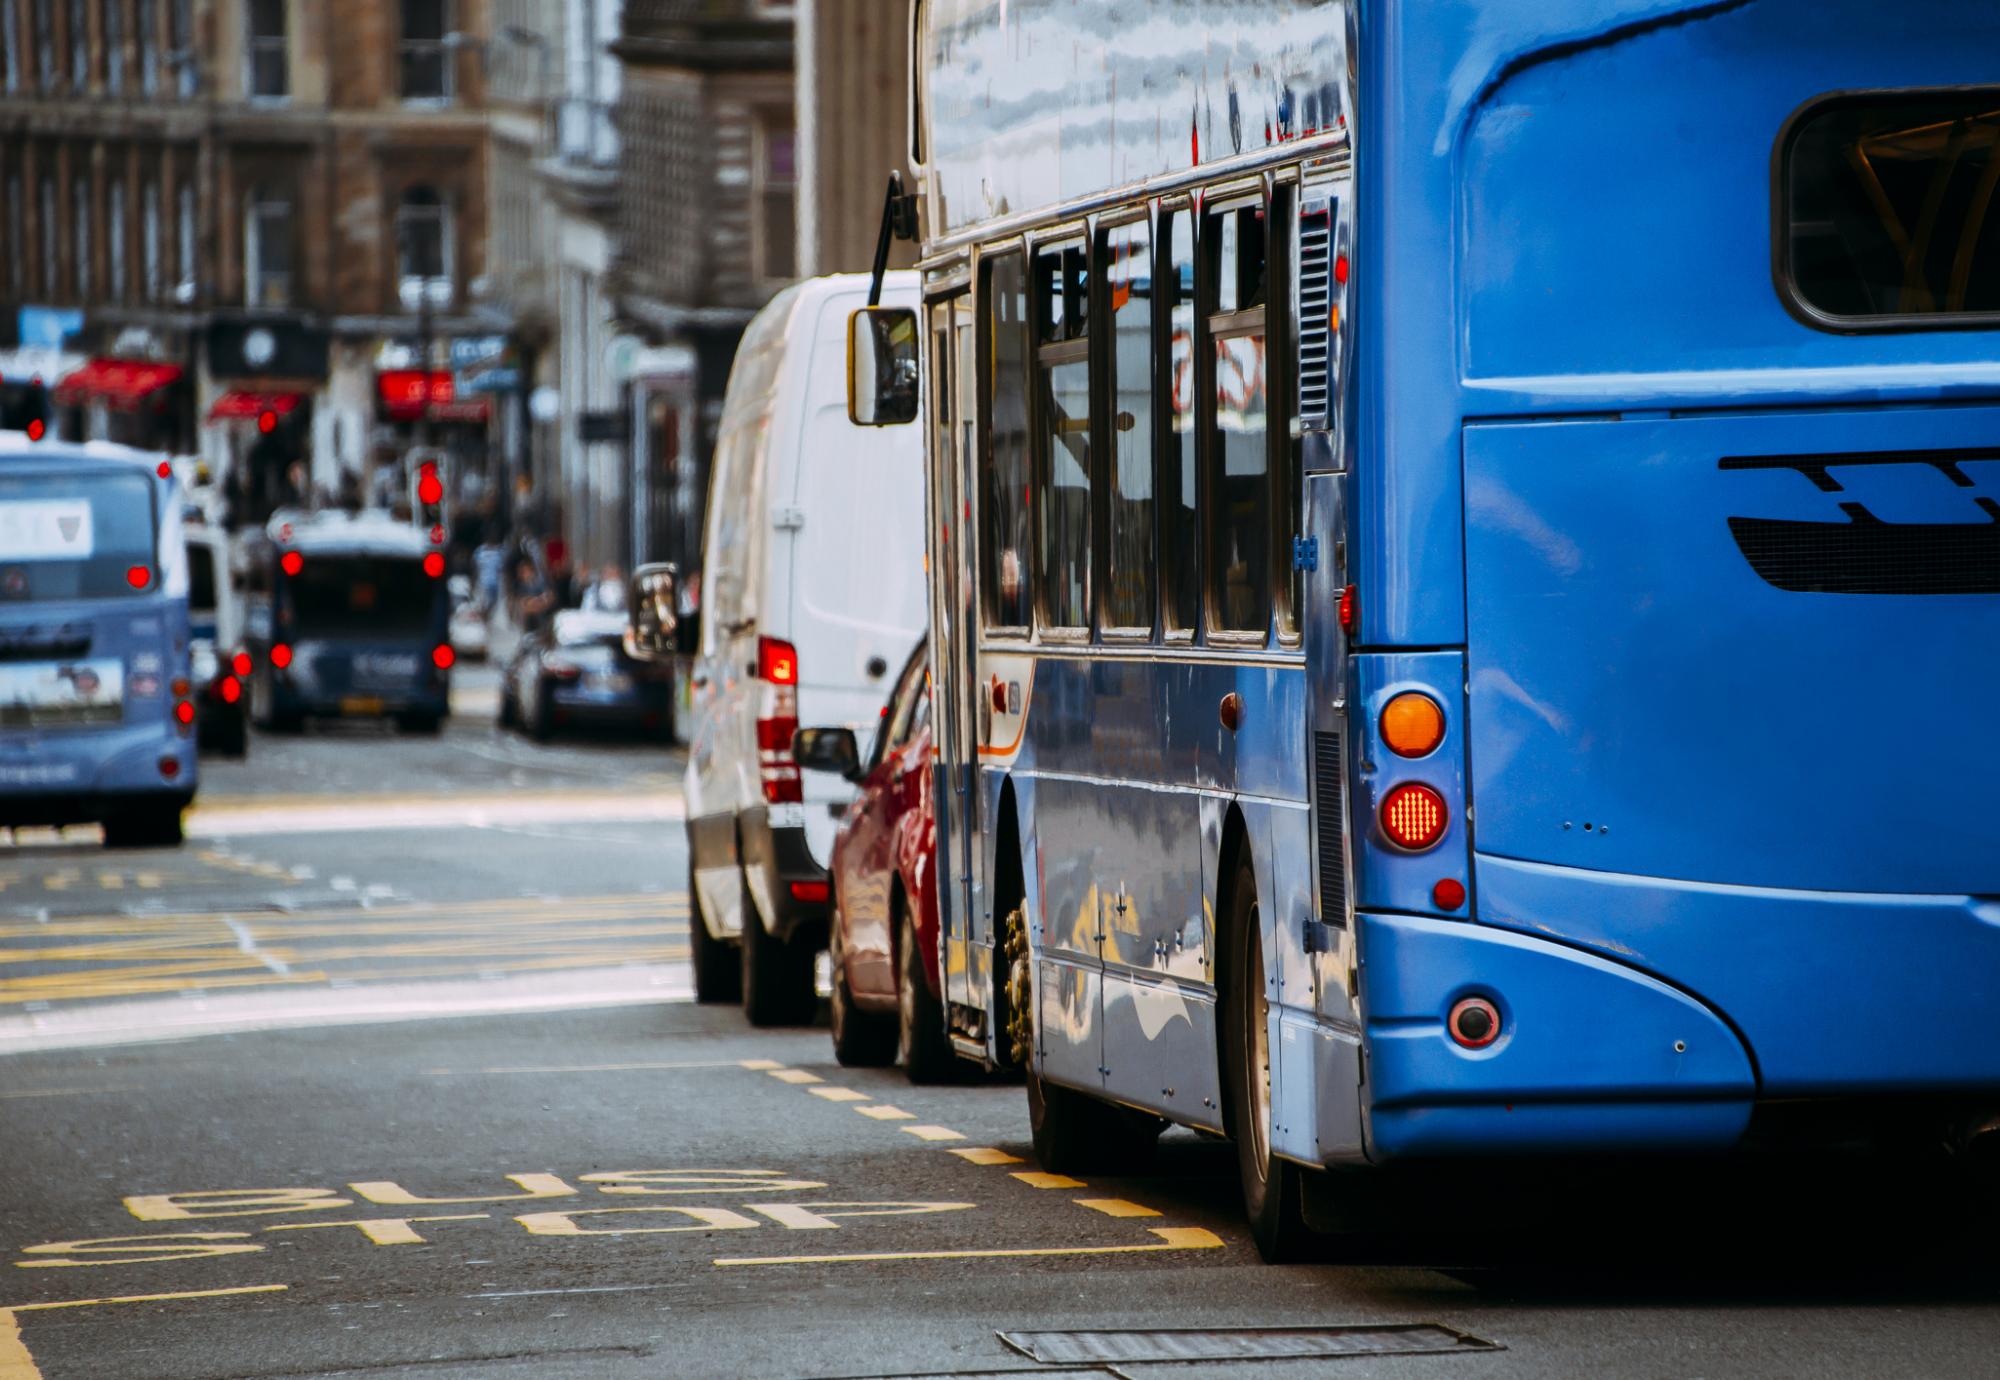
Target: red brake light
(138,577)
(184,712)
(777,662)
(292,563)
(811,891)
(240,663)
(37,429)
(1414,817)
(443,657)
(281,656)
(1350,610)
(232,690)
(166,470)
(434,565)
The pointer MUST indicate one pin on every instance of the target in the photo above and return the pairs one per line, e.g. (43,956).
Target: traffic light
(428,482)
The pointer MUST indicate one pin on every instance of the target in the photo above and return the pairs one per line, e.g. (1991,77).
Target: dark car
(887,1002)
(573,672)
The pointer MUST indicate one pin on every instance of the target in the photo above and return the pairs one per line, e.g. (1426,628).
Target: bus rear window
(1889,215)
(75,536)
(362,596)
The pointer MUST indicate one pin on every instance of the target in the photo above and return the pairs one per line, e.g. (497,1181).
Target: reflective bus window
(1240,481)
(1005,485)
(1064,512)
(1127,255)
(1889,209)
(1180,518)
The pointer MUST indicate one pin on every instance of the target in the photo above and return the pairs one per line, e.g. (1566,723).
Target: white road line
(246,942)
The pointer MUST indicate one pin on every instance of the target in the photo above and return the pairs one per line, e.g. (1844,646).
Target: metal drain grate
(1241,1343)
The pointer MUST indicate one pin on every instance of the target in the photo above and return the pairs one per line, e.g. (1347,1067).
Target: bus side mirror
(882,374)
(828,749)
(650,619)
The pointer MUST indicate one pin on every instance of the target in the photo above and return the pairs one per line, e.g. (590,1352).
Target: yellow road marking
(760,1065)
(1116,1207)
(595,1068)
(148,1298)
(1034,1178)
(983,1156)
(15,1361)
(794,1076)
(884,1112)
(63,1092)
(111,881)
(931,1132)
(839,1094)
(1171,1239)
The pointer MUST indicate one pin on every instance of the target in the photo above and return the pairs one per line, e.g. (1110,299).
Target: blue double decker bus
(96,712)
(1465,545)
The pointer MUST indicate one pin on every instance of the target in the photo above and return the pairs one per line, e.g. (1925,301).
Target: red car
(884,932)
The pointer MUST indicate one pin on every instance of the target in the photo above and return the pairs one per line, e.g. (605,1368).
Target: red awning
(408,394)
(240,405)
(117,383)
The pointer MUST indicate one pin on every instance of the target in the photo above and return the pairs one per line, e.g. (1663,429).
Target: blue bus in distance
(1465,556)
(96,712)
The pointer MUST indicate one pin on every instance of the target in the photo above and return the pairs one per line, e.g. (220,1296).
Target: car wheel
(1272,1188)
(510,717)
(777,975)
(861,1039)
(542,717)
(145,826)
(922,1044)
(718,973)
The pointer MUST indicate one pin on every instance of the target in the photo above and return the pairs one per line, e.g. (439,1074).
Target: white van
(812,597)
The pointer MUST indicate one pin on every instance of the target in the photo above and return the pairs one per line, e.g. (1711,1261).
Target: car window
(894,729)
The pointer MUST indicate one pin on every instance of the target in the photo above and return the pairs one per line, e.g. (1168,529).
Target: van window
(1062,289)
(1127,255)
(1888,207)
(1004,486)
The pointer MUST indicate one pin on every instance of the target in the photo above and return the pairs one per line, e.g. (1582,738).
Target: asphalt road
(226,1149)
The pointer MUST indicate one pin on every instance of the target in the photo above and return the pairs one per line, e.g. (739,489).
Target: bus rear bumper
(89,778)
(1592,1056)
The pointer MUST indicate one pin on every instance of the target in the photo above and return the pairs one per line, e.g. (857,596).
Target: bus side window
(1240,544)
(1281,383)
(1126,251)
(1062,296)
(1004,575)
(1180,516)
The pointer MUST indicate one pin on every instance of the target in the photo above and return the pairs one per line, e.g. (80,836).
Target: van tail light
(778,721)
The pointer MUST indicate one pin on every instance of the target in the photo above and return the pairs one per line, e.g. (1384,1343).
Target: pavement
(393,1071)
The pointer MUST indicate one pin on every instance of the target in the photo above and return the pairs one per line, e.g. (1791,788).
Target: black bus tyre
(777,976)
(145,826)
(1272,1188)
(510,717)
(861,1039)
(922,1045)
(718,973)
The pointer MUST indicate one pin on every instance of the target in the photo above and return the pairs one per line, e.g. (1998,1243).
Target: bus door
(966,952)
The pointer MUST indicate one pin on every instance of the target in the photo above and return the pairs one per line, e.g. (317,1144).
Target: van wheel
(922,1045)
(421,725)
(233,738)
(1272,1188)
(777,976)
(861,1039)
(145,826)
(718,975)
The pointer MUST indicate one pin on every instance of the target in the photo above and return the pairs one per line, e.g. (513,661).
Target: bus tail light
(170,767)
(1414,817)
(291,563)
(184,714)
(778,721)
(139,577)
(281,657)
(443,656)
(1350,611)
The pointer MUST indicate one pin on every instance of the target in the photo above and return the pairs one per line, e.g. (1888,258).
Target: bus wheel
(777,976)
(146,826)
(921,1042)
(861,1039)
(1272,1188)
(718,974)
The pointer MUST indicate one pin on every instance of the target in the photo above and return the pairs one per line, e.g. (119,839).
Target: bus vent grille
(1331,808)
(1316,316)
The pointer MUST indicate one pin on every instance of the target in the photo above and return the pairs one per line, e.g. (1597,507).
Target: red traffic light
(430,489)
(434,565)
(292,563)
(37,429)
(267,421)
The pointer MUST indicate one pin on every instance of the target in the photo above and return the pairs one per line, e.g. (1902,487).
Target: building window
(423,249)
(184,290)
(79,45)
(45,45)
(51,260)
(114,238)
(79,203)
(10,47)
(775,179)
(17,234)
(181,40)
(267,52)
(114,44)
(267,250)
(425,53)
(149,242)
(148,26)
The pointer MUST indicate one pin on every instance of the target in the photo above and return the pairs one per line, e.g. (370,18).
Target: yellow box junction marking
(839,1094)
(931,1132)
(1171,1239)
(1035,1178)
(884,1112)
(17,1363)
(794,1076)
(987,1156)
(1116,1207)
